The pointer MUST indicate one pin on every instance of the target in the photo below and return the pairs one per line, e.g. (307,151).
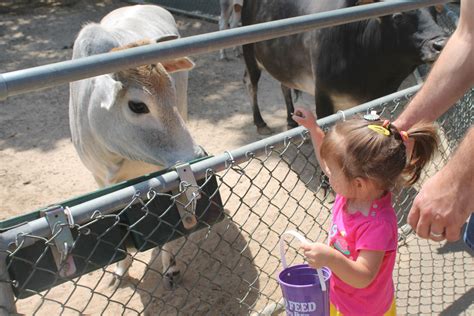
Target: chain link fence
(229,261)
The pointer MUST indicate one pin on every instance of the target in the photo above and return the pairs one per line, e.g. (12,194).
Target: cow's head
(135,114)
(416,33)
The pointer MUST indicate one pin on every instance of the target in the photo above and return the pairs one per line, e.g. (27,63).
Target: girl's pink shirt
(351,233)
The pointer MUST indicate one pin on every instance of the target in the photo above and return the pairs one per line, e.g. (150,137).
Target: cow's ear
(166,37)
(110,88)
(179,64)
(132,45)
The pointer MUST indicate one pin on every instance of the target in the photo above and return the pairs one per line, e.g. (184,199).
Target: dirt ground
(39,166)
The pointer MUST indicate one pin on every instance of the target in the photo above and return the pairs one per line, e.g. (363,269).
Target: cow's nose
(438,44)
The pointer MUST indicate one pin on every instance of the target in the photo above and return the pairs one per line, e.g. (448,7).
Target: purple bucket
(305,290)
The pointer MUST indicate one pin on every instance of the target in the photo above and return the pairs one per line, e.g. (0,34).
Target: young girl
(364,158)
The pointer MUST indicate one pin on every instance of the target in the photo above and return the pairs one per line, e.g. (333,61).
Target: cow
(229,17)
(340,66)
(131,122)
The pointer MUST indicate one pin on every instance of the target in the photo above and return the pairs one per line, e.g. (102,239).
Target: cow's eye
(138,107)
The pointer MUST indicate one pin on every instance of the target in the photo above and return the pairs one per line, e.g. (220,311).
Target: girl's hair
(364,152)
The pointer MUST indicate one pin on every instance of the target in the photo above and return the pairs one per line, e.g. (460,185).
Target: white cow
(129,123)
(230,17)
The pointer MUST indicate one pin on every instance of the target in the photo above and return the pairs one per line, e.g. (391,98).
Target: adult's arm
(446,200)
(450,78)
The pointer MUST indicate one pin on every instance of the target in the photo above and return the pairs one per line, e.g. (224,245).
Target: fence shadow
(459,306)
(219,276)
(452,247)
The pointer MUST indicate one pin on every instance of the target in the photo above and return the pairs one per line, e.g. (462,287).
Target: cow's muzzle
(432,49)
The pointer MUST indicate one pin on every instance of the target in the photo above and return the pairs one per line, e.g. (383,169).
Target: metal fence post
(7,300)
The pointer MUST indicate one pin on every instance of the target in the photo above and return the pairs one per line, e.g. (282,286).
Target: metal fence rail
(229,267)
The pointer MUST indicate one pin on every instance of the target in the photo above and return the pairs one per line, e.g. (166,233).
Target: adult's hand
(441,207)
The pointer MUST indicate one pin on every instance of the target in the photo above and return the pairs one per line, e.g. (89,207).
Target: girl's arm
(358,274)
(307,119)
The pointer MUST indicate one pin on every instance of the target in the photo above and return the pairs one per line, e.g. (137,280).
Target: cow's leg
(235,21)
(171,271)
(296,95)
(324,107)
(324,104)
(289,106)
(121,270)
(251,77)
(224,25)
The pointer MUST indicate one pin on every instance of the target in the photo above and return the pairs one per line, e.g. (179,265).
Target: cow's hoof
(115,281)
(172,278)
(264,130)
(223,57)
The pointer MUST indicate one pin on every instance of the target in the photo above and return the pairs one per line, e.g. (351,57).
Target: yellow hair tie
(404,136)
(379,129)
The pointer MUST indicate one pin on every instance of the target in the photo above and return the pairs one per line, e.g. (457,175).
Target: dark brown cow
(341,66)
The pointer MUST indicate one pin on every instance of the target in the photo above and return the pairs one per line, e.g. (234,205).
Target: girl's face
(338,181)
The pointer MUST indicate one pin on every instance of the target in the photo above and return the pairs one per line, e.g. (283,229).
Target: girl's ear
(359,183)
(358,186)
(363,185)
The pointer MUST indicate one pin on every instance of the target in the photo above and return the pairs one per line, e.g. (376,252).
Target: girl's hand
(305,117)
(318,254)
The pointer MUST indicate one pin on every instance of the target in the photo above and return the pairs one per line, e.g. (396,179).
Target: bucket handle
(303,241)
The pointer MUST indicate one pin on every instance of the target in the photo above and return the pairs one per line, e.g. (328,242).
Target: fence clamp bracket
(63,240)
(186,203)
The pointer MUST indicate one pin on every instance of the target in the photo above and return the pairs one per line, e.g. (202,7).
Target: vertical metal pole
(7,300)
